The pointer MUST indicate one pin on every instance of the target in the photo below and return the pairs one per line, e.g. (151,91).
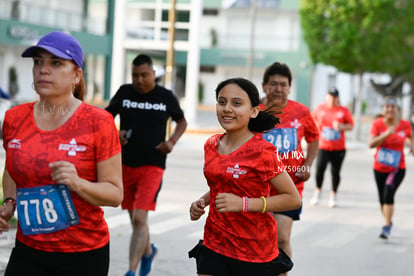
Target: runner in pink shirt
(333,120)
(388,135)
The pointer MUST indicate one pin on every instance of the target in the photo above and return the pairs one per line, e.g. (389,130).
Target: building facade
(213,40)
(23,22)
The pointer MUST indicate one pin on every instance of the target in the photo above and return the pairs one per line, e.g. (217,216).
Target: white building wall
(321,82)
(348,87)
(209,23)
(12,58)
(273,32)
(11,55)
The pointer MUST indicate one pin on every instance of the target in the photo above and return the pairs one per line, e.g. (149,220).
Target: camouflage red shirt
(296,124)
(331,139)
(391,151)
(245,236)
(89,136)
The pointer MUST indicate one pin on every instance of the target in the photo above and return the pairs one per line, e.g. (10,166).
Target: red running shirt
(330,139)
(395,142)
(86,138)
(245,236)
(296,123)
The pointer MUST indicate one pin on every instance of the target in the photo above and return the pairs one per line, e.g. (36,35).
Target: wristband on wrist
(264,204)
(245,203)
(9,199)
(172,140)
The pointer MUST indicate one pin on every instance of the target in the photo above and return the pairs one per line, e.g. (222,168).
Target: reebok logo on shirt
(144,105)
(72,147)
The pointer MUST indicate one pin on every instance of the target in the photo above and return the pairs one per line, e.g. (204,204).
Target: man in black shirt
(144,109)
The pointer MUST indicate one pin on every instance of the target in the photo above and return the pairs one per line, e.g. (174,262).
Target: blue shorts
(293,214)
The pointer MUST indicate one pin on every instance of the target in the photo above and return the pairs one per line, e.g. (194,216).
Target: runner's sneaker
(316,197)
(333,202)
(385,233)
(130,273)
(146,262)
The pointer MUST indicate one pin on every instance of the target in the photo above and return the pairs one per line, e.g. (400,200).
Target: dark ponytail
(265,120)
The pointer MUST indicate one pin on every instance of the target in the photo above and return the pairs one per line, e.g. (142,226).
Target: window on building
(180,16)
(207,69)
(210,12)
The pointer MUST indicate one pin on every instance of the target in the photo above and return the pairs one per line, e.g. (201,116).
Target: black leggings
(25,260)
(324,157)
(386,192)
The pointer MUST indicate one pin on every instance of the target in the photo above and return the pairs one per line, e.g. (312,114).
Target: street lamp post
(170,52)
(250,57)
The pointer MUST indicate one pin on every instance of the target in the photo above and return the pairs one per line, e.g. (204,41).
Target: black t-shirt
(146,116)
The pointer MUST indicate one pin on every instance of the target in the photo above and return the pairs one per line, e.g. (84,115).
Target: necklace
(51,117)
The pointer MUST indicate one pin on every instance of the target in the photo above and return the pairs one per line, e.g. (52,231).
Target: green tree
(358,36)
(361,36)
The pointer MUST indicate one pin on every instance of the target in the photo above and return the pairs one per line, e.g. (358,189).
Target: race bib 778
(45,209)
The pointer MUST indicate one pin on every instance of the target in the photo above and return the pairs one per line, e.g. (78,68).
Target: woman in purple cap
(388,135)
(63,161)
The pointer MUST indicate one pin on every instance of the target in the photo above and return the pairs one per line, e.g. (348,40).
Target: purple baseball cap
(60,44)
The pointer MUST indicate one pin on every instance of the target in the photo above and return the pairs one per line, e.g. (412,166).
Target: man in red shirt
(333,120)
(296,123)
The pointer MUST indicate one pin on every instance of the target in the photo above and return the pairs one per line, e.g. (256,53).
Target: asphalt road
(339,241)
